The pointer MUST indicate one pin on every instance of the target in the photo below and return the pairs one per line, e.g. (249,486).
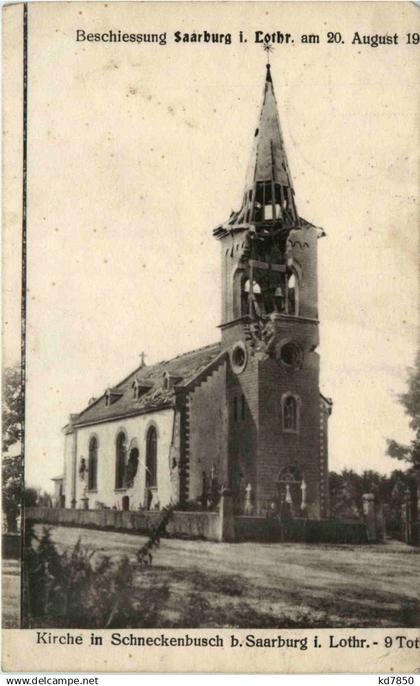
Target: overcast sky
(136,152)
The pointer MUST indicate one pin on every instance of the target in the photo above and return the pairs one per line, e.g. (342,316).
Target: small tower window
(291,355)
(255,297)
(256,288)
(235,409)
(290,413)
(268,212)
(279,299)
(285,202)
(292,294)
(238,356)
(242,407)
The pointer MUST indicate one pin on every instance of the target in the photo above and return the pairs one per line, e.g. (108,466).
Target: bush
(81,588)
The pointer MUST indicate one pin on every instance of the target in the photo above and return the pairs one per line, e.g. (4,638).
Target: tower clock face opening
(291,355)
(238,357)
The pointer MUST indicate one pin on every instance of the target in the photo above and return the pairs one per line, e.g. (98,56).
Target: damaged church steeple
(269,195)
(266,246)
(277,419)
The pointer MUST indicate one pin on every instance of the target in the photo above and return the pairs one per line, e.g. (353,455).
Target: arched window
(290,413)
(151,458)
(290,474)
(292,295)
(252,295)
(120,459)
(256,288)
(279,300)
(93,464)
(132,466)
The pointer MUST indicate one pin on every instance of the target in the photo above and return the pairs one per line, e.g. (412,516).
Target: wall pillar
(370,519)
(407,517)
(226,531)
(380,523)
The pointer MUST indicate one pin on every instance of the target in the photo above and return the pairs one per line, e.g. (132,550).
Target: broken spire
(269,194)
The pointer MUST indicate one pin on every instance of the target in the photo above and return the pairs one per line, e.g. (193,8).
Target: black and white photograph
(211,370)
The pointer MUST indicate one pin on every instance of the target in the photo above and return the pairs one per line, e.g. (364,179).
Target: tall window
(255,297)
(93,464)
(290,413)
(242,407)
(120,459)
(132,466)
(235,409)
(151,458)
(292,295)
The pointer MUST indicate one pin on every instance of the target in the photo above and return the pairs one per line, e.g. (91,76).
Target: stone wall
(299,530)
(182,524)
(208,525)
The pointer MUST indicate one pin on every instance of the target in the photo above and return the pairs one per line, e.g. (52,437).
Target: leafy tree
(31,497)
(347,489)
(12,465)
(410,400)
(12,489)
(12,406)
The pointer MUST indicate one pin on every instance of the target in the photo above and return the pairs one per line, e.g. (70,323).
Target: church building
(244,413)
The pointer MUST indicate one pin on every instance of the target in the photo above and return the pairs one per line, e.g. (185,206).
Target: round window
(291,355)
(238,357)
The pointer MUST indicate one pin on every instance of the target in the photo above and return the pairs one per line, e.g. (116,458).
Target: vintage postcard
(211,405)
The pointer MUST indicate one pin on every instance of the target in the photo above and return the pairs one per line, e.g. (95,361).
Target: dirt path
(199,583)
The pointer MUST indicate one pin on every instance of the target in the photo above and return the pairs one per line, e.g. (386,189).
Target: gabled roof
(185,368)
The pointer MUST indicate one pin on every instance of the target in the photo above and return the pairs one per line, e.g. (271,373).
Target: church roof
(154,393)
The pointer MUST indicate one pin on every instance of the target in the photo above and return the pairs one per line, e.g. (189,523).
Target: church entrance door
(290,492)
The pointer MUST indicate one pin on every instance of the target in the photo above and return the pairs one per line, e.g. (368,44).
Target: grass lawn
(254,585)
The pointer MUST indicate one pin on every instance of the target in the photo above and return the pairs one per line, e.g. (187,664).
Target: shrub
(82,588)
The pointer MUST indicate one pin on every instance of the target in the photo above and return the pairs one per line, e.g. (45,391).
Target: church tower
(277,446)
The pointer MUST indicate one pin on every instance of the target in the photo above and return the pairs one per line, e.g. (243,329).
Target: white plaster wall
(69,450)
(134,428)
